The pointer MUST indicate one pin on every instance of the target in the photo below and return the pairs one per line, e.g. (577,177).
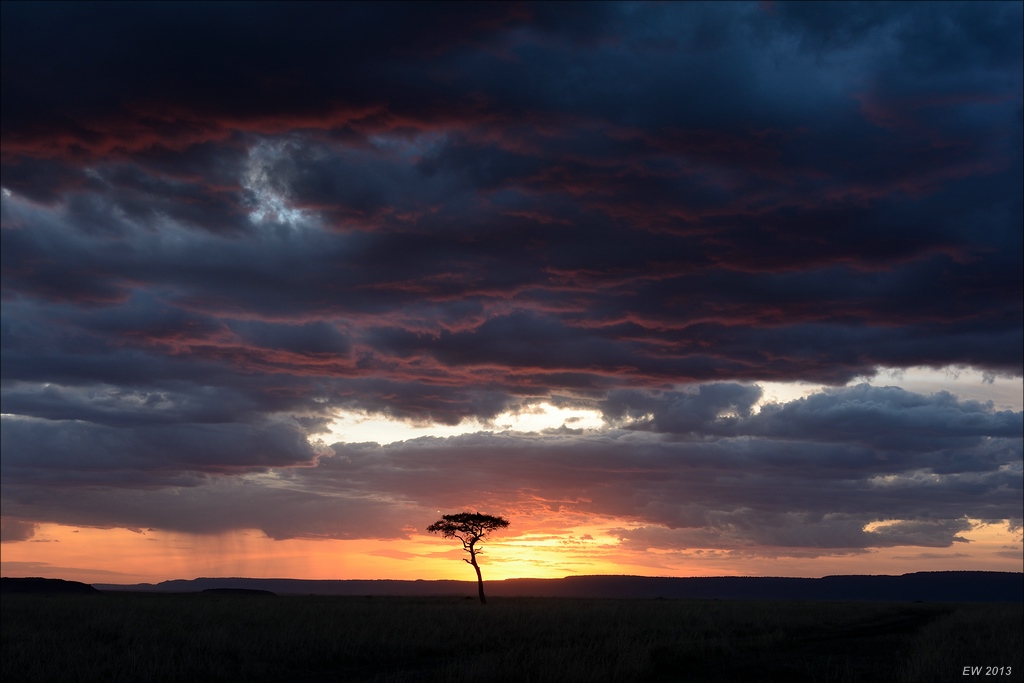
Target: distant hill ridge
(961,586)
(37,585)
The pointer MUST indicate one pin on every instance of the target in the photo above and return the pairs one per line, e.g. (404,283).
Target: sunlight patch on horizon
(354,427)
(967,383)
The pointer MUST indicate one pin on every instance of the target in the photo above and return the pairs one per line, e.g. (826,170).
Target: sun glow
(120,556)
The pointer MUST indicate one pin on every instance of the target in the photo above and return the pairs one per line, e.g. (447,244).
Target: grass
(187,637)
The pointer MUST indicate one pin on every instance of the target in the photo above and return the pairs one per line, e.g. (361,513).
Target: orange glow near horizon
(121,556)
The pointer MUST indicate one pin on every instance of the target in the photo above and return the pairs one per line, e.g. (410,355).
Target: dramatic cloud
(780,478)
(222,226)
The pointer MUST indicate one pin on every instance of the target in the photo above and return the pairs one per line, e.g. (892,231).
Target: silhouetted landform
(238,591)
(37,585)
(924,586)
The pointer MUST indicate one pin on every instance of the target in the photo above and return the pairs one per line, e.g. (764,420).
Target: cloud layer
(438,214)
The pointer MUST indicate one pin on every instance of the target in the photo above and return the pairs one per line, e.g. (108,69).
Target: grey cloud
(221,504)
(887,418)
(73,450)
(168,403)
(12,529)
(795,534)
(676,412)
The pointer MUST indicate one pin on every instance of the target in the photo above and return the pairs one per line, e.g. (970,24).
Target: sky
(678,289)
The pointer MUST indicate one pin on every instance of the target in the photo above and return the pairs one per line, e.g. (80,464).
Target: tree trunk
(479,578)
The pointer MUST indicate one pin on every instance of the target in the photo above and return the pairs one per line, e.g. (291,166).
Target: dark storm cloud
(221,225)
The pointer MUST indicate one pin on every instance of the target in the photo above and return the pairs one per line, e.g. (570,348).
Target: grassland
(192,637)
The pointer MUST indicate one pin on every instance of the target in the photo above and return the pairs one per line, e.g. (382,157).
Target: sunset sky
(678,289)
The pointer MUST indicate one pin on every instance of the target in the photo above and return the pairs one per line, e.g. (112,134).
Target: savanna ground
(204,637)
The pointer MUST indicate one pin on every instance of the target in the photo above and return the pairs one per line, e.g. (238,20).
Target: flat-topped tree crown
(470,528)
(467,525)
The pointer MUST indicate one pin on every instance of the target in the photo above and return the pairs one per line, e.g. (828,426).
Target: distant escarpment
(245,592)
(37,585)
(962,586)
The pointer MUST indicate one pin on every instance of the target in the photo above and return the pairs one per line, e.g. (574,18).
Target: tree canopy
(470,528)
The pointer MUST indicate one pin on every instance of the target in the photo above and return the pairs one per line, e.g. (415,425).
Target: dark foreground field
(210,637)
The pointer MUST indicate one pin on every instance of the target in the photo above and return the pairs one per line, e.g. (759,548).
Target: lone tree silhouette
(470,528)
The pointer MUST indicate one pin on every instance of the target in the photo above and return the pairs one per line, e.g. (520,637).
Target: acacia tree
(470,528)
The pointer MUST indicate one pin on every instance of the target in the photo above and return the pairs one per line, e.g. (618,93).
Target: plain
(218,637)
